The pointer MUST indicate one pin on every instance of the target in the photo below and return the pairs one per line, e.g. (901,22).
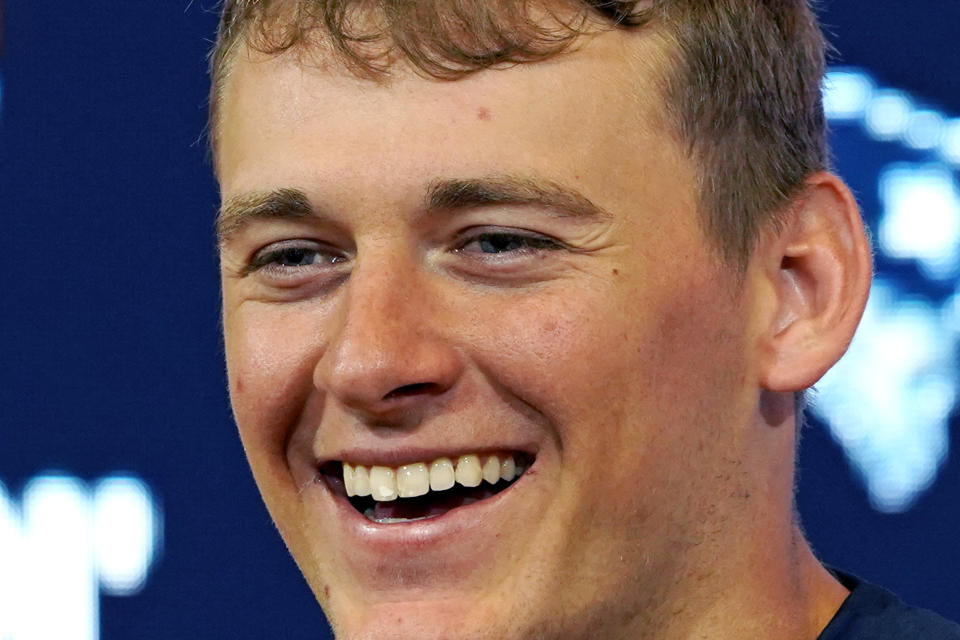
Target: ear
(816,272)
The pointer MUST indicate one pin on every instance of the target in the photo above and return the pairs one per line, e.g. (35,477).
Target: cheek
(270,356)
(271,352)
(563,354)
(569,350)
(624,368)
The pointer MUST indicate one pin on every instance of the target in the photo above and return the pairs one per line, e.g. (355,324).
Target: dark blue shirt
(872,613)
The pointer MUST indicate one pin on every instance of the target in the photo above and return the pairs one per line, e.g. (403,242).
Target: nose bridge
(385,346)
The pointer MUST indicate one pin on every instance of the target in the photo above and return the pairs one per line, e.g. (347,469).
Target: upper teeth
(411,480)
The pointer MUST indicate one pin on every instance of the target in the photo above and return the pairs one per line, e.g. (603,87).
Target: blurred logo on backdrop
(889,400)
(63,544)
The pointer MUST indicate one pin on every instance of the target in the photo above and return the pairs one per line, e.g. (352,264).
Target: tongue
(432,504)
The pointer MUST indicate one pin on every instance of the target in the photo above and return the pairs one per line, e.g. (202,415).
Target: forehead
(603,94)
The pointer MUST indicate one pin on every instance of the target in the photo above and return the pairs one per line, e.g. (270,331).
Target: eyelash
(271,260)
(529,243)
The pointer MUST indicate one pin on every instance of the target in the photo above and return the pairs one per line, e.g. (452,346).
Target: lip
(454,529)
(397,458)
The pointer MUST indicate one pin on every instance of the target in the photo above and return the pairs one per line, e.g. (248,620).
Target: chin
(426,619)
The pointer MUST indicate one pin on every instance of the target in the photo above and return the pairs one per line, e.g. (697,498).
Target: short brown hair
(742,90)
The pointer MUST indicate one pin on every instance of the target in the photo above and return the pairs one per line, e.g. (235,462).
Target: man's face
(601,347)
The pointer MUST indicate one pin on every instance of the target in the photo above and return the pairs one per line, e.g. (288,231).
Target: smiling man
(518,301)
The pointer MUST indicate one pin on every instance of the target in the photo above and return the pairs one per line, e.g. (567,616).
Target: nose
(388,353)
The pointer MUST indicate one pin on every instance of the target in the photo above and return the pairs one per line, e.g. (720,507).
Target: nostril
(419,388)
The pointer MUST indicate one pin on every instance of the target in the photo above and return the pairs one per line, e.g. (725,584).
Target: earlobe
(817,268)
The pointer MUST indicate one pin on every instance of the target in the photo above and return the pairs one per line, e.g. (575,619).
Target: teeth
(383,484)
(411,480)
(468,471)
(441,474)
(491,469)
(508,469)
(348,479)
(361,481)
(369,513)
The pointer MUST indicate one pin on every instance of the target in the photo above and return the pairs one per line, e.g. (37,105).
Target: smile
(423,490)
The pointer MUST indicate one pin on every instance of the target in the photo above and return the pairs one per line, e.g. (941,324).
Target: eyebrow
(447,195)
(279,204)
(441,195)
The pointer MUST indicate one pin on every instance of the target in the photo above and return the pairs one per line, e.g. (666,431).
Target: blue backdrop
(113,409)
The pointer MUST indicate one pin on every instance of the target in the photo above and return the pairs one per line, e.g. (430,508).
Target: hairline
(223,59)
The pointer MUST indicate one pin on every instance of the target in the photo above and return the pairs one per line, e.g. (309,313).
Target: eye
(293,257)
(507,242)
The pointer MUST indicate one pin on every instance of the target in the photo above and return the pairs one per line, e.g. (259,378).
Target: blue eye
(293,258)
(500,243)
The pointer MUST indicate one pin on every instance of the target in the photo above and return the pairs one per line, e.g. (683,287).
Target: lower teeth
(369,515)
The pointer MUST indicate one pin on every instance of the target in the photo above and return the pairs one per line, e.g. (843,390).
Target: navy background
(110,356)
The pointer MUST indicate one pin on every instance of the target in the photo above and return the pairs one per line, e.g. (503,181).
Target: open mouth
(421,490)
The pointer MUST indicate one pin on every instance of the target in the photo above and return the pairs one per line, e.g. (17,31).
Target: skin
(652,382)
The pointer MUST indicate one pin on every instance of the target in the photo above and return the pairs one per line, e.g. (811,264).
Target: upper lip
(409,455)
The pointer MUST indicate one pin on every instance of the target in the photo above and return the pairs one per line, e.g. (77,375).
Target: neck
(754,575)
(773,594)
